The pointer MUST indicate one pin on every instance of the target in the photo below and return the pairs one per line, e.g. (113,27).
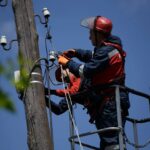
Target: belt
(99,109)
(114,147)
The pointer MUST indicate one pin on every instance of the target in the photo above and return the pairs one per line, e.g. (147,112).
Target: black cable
(5,4)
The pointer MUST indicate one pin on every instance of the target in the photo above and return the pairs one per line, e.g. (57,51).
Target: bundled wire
(69,102)
(67,95)
(48,79)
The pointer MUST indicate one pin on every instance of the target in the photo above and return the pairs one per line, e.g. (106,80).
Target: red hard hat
(98,23)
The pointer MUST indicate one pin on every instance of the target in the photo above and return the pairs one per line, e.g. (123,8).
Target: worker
(72,89)
(101,68)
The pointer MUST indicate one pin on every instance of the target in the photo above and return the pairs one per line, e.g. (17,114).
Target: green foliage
(5,102)
(1,69)
(21,84)
(23,81)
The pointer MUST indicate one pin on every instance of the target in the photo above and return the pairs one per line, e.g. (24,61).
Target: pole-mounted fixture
(3,4)
(53,55)
(46,14)
(3,43)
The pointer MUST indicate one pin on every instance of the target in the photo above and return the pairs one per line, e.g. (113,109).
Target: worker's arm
(72,88)
(98,62)
(50,91)
(81,54)
(84,55)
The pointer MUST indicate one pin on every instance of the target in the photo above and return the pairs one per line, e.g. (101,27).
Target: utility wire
(67,100)
(48,85)
(49,97)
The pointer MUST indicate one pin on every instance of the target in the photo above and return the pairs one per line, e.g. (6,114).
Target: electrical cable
(36,63)
(55,84)
(49,103)
(4,4)
(72,119)
(48,36)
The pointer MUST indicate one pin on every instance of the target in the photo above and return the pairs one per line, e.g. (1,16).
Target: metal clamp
(35,81)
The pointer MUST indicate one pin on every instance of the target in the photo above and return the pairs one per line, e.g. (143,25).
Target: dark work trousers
(108,118)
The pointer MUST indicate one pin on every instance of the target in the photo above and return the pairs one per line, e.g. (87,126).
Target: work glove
(47,101)
(70,53)
(53,92)
(63,60)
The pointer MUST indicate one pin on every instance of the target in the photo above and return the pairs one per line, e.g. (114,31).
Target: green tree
(5,101)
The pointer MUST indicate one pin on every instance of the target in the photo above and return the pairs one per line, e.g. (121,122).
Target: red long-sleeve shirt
(72,88)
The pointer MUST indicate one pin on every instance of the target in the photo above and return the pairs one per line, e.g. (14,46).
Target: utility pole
(36,117)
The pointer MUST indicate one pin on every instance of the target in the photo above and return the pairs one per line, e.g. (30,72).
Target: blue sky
(130,22)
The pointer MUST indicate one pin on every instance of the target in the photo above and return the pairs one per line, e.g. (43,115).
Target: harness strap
(117,46)
(99,108)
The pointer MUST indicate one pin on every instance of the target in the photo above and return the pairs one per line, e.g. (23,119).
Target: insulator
(46,13)
(52,55)
(3,40)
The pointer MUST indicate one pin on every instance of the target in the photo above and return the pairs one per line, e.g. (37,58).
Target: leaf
(22,82)
(1,69)
(5,102)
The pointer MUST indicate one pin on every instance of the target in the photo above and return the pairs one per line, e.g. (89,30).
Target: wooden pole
(34,102)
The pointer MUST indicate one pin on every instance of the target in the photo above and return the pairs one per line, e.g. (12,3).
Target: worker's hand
(70,53)
(63,60)
(53,92)
(50,91)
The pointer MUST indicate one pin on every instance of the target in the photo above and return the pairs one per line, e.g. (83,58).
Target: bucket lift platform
(119,128)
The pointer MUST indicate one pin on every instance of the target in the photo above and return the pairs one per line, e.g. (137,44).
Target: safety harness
(118,47)
(103,91)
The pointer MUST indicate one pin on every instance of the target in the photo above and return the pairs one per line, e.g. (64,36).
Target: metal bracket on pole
(36,76)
